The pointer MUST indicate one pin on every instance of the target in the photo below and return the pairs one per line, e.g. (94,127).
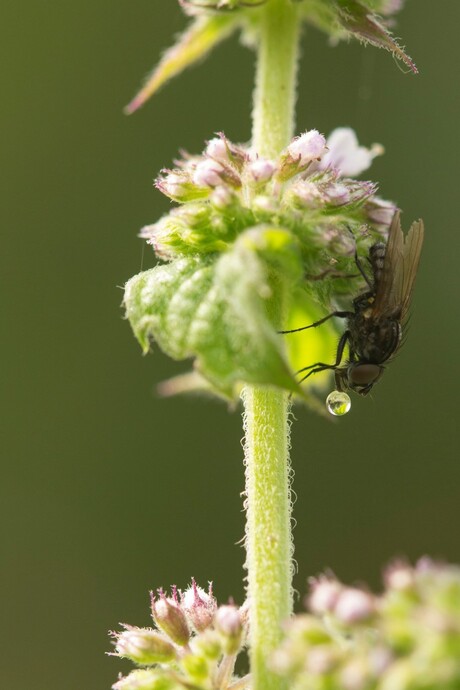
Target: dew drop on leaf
(338,403)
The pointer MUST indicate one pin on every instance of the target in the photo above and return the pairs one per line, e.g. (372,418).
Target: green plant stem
(275,90)
(268,517)
(268,534)
(268,503)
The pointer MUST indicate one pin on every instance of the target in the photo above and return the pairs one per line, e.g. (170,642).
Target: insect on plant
(375,326)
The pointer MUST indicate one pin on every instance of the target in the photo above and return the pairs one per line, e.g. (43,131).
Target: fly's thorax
(373,340)
(364,301)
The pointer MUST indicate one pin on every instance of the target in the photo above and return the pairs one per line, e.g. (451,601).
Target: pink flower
(308,147)
(208,173)
(261,169)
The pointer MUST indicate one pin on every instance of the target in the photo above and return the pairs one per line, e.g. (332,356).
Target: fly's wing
(387,288)
(402,256)
(411,259)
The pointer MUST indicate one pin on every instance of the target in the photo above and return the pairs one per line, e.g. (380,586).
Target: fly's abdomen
(376,259)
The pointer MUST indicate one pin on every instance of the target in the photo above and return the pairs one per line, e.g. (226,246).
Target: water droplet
(338,403)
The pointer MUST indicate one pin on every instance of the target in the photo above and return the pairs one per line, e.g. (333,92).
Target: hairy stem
(275,90)
(268,534)
(268,504)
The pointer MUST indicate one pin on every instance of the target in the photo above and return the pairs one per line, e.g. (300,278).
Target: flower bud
(196,667)
(179,187)
(380,659)
(308,147)
(354,675)
(143,646)
(426,565)
(264,204)
(170,618)
(324,595)
(307,628)
(173,185)
(229,625)
(306,194)
(301,153)
(199,606)
(207,174)
(226,152)
(354,606)
(261,169)
(399,576)
(207,644)
(146,679)
(337,194)
(380,212)
(221,197)
(217,149)
(359,190)
(321,659)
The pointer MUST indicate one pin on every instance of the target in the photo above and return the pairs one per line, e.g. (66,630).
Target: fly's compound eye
(361,377)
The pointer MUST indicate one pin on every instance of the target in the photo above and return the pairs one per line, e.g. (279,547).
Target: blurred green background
(108,491)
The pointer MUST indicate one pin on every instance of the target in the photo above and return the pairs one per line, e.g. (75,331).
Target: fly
(375,326)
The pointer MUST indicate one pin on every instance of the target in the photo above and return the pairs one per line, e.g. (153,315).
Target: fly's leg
(321,366)
(330,273)
(340,375)
(339,314)
(359,265)
(363,272)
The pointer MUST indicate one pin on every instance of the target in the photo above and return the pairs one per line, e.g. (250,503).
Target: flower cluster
(248,229)
(309,190)
(194,644)
(408,638)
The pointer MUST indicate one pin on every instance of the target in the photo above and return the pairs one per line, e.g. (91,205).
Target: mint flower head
(194,645)
(406,638)
(246,229)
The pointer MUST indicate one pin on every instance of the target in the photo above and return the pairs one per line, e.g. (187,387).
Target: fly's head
(359,377)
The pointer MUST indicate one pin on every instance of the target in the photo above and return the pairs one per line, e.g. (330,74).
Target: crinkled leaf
(216,311)
(198,40)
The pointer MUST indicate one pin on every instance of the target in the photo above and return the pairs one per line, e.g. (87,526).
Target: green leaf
(191,46)
(216,310)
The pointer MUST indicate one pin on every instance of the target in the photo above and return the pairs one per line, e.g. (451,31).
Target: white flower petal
(346,154)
